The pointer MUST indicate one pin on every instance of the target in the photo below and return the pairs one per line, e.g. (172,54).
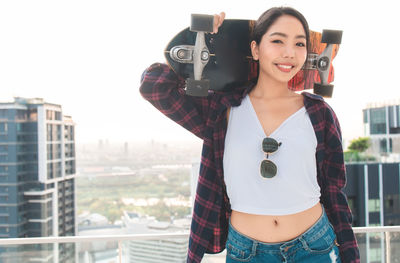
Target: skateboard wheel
(198,88)
(331,36)
(202,23)
(325,90)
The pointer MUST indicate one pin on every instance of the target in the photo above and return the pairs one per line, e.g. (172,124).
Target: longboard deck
(231,62)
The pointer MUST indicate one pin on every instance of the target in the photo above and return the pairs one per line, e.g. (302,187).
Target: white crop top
(294,188)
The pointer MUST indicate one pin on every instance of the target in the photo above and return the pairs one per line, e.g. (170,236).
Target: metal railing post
(120,251)
(387,240)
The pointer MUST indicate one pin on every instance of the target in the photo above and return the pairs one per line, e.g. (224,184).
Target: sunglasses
(268,169)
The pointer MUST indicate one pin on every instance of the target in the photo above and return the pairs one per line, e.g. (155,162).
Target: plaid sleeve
(165,90)
(334,200)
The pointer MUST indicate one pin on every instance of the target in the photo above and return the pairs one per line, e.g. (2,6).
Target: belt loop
(303,242)
(254,249)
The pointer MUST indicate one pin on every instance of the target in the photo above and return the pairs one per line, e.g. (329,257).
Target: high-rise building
(37,177)
(382,125)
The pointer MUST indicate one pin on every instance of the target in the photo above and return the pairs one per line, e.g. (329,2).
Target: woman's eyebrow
(284,35)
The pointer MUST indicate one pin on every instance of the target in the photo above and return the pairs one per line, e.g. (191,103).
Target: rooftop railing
(377,244)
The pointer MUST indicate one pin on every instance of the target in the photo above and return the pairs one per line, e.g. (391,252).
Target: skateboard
(223,61)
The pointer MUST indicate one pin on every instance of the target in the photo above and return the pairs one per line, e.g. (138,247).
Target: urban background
(82,154)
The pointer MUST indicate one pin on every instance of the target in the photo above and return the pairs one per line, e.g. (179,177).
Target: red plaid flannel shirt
(206,118)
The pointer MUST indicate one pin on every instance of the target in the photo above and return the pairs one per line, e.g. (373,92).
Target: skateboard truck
(322,62)
(198,55)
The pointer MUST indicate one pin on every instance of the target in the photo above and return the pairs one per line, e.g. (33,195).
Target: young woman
(272,169)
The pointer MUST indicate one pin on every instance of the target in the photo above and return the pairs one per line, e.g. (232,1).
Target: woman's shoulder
(318,106)
(311,96)
(316,100)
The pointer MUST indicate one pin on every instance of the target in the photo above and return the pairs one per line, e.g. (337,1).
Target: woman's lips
(284,67)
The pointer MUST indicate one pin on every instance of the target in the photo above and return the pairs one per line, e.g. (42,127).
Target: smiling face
(282,50)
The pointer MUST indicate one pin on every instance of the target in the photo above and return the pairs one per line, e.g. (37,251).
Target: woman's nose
(288,52)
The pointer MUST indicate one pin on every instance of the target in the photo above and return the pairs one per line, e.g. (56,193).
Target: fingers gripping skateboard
(198,54)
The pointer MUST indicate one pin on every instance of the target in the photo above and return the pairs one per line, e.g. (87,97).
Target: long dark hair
(268,18)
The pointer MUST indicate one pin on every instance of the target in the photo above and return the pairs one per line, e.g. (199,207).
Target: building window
(19,127)
(373,205)
(3,219)
(3,113)
(394,130)
(392,203)
(4,229)
(382,146)
(58,127)
(50,174)
(378,121)
(3,127)
(32,114)
(398,115)
(21,115)
(49,115)
(394,125)
(58,116)
(53,115)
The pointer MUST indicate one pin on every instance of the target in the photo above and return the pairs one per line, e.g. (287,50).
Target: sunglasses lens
(269,145)
(268,169)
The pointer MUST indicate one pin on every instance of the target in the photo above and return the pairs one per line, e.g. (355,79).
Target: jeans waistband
(317,230)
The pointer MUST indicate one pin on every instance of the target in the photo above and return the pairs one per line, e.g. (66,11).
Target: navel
(275,222)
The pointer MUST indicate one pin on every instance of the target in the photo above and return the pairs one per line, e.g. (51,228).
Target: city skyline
(88,56)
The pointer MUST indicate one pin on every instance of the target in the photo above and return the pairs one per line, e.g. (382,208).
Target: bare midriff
(274,229)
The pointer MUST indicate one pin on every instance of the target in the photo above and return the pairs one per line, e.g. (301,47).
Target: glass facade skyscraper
(37,174)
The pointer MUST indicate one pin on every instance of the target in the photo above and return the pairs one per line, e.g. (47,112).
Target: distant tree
(360,144)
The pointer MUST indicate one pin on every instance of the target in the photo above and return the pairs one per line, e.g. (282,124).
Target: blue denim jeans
(317,244)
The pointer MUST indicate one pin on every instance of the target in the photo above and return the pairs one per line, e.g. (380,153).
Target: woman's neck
(267,88)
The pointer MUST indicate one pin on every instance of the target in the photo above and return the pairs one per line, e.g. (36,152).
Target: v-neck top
(205,117)
(294,188)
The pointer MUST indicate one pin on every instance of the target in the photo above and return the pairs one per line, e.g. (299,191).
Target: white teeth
(285,66)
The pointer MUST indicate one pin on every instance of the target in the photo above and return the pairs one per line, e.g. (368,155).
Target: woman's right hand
(218,19)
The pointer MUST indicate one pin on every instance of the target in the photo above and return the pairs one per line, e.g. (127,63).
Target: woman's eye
(277,41)
(301,44)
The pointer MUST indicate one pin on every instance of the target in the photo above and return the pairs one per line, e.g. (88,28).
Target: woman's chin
(284,79)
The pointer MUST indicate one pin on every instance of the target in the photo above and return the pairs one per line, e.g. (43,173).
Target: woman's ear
(254,50)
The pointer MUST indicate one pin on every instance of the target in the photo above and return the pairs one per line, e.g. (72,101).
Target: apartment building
(37,178)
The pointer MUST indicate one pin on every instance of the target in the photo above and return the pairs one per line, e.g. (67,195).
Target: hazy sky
(88,56)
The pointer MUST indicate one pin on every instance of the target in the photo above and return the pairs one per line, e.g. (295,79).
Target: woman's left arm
(334,199)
